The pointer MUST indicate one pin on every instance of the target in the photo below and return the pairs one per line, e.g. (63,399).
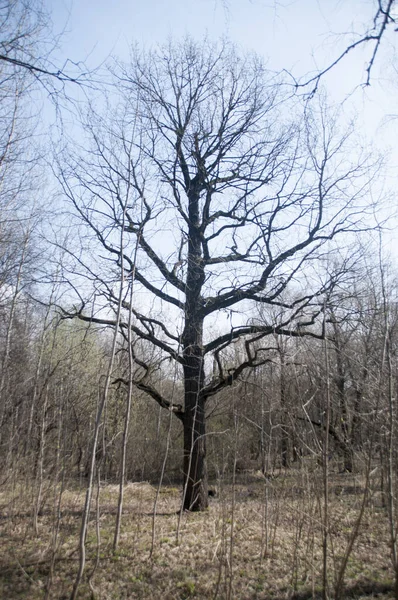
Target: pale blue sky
(286,31)
(297,35)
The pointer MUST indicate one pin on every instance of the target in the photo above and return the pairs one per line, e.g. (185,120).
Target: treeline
(53,369)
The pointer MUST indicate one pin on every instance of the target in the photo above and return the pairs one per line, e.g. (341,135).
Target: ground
(261,538)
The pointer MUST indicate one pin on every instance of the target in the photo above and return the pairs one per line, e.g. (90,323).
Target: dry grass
(259,539)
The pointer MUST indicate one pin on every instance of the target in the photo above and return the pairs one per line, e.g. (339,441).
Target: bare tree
(235,197)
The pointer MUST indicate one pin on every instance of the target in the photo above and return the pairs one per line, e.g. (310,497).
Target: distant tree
(233,198)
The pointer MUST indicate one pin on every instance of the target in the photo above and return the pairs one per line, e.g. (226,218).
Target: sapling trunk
(128,406)
(325,468)
(100,410)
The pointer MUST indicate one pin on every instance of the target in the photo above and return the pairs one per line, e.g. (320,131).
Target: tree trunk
(195,495)
(195,472)
(284,426)
(346,445)
(347,457)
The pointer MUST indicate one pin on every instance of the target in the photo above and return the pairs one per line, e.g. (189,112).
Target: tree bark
(284,426)
(346,445)
(195,496)
(195,470)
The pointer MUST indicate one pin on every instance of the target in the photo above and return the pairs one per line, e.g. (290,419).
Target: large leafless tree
(233,197)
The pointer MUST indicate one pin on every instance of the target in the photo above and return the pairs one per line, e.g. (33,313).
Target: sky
(299,36)
(285,30)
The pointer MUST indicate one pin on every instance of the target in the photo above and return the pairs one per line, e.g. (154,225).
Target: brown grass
(275,550)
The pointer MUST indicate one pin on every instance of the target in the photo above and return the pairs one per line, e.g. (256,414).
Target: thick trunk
(195,474)
(195,471)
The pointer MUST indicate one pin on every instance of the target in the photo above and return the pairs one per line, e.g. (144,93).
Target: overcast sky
(297,35)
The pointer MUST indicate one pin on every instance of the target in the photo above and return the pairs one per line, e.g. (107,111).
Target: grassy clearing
(259,539)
